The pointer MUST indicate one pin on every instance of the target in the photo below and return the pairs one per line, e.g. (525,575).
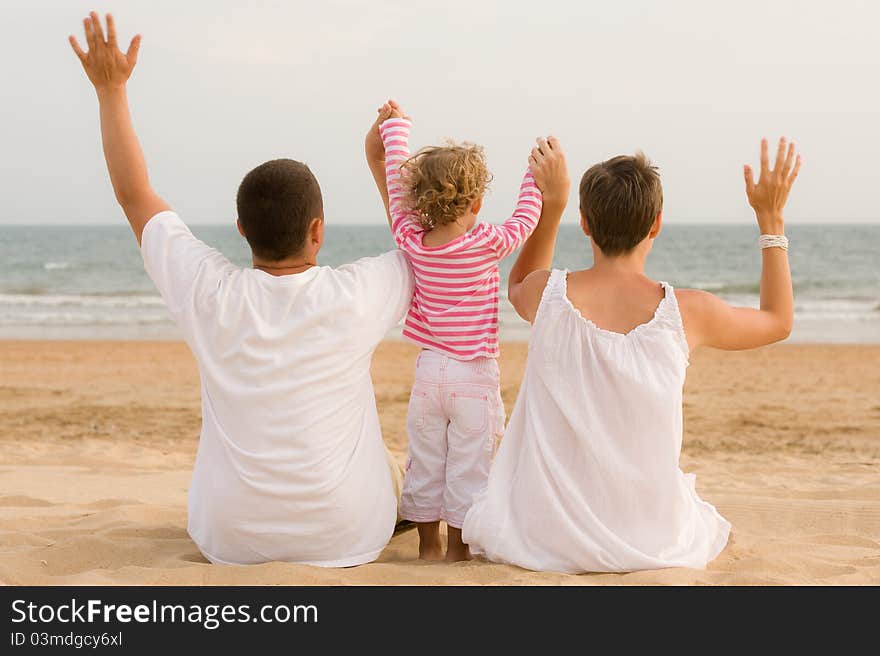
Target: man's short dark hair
(276,203)
(620,199)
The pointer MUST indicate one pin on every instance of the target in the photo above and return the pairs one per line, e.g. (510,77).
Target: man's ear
(240,229)
(316,233)
(477,206)
(584,225)
(658,225)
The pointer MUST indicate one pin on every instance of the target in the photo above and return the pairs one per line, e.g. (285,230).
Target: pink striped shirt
(454,310)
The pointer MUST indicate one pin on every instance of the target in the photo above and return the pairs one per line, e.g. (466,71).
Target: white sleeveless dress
(587,477)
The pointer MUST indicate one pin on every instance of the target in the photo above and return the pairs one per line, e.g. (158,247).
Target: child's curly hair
(442,182)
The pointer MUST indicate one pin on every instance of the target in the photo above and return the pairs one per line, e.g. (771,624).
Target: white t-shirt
(291,464)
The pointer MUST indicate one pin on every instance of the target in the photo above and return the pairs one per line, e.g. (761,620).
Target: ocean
(88,282)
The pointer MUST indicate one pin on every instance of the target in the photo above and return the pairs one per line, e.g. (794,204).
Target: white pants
(454,423)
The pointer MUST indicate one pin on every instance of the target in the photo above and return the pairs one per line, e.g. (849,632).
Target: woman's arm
(710,321)
(528,277)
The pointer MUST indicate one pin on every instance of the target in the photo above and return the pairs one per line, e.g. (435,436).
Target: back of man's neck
(283,268)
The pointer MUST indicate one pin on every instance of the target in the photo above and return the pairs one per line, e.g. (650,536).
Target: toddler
(455,415)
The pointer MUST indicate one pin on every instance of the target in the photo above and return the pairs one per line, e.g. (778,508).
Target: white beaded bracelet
(774,241)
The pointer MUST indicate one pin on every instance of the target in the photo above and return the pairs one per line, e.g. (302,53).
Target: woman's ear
(240,229)
(584,225)
(658,225)
(477,206)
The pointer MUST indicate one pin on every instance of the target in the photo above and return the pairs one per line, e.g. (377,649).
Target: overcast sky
(222,86)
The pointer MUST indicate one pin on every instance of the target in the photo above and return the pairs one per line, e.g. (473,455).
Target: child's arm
(710,321)
(395,139)
(375,153)
(108,68)
(529,274)
(511,234)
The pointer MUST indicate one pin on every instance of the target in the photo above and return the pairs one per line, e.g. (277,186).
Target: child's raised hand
(547,163)
(373,145)
(768,195)
(396,110)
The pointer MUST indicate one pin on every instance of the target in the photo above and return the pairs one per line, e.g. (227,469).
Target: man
(291,464)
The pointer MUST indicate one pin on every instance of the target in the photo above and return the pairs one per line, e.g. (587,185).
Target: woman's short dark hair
(620,198)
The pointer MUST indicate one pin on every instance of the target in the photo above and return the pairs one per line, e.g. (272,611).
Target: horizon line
(363,224)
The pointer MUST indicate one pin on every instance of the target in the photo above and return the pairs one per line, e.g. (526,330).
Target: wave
(818,289)
(133,309)
(836,309)
(842,310)
(82,300)
(73,319)
(726,288)
(53,266)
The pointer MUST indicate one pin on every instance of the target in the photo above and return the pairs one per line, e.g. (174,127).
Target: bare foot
(430,547)
(456,550)
(430,552)
(458,555)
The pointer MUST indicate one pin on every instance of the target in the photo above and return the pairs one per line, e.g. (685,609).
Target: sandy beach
(98,441)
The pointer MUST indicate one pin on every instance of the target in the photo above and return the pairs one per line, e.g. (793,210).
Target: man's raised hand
(373,145)
(105,64)
(108,69)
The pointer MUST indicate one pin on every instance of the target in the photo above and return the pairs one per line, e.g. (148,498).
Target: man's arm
(529,274)
(710,321)
(374,150)
(108,68)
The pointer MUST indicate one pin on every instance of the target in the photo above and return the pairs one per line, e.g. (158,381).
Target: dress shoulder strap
(669,316)
(553,293)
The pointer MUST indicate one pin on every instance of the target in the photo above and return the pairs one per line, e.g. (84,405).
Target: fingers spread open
(789,160)
(111,31)
(76,48)
(96,26)
(133,48)
(780,156)
(794,173)
(750,179)
(90,33)
(765,165)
